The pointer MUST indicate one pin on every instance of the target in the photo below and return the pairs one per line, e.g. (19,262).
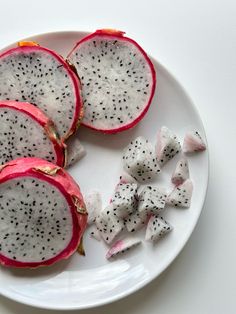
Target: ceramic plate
(83,282)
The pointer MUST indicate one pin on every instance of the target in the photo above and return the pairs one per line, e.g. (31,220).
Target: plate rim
(139,286)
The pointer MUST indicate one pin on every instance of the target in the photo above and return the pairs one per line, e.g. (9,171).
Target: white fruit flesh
(127,178)
(140,161)
(193,142)
(116,81)
(181,172)
(108,224)
(125,199)
(22,136)
(152,200)
(39,78)
(167,145)
(35,220)
(135,221)
(75,150)
(157,228)
(93,202)
(181,195)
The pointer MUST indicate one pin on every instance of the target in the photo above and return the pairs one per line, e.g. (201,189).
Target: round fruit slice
(40,76)
(118,80)
(42,213)
(26,132)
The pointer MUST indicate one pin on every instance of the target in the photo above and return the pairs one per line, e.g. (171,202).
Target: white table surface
(196,41)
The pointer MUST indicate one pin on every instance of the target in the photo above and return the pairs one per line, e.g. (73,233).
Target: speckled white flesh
(39,78)
(157,228)
(116,81)
(35,220)
(139,160)
(22,136)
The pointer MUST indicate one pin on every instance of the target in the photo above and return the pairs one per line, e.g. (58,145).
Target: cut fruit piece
(136,221)
(139,160)
(152,200)
(108,224)
(125,199)
(167,145)
(193,142)
(40,76)
(157,228)
(95,234)
(75,151)
(127,178)
(42,213)
(181,172)
(93,202)
(122,246)
(26,132)
(118,80)
(181,195)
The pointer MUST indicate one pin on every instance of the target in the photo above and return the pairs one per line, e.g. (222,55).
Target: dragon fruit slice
(75,151)
(193,142)
(125,199)
(118,80)
(95,234)
(122,246)
(167,145)
(42,213)
(126,178)
(181,172)
(140,161)
(40,76)
(108,224)
(136,221)
(152,200)
(26,132)
(181,195)
(93,202)
(157,228)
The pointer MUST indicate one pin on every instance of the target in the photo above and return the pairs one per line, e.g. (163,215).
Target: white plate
(83,282)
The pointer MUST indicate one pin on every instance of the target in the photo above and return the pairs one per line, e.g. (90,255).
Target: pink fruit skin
(192,145)
(114,249)
(119,35)
(75,80)
(65,183)
(43,120)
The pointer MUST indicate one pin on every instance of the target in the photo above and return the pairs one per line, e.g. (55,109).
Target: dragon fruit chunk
(181,172)
(40,76)
(75,151)
(152,200)
(108,224)
(157,228)
(139,160)
(127,178)
(118,80)
(181,195)
(193,142)
(136,221)
(122,246)
(125,199)
(42,213)
(93,202)
(95,234)
(26,132)
(167,145)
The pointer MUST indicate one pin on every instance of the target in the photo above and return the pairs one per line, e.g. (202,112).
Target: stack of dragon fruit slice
(133,207)
(107,83)
(43,99)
